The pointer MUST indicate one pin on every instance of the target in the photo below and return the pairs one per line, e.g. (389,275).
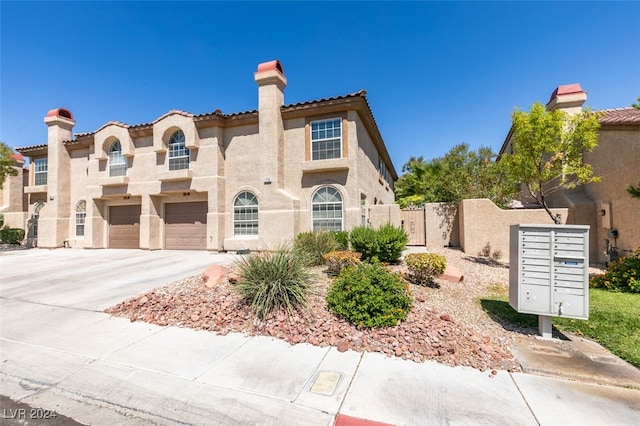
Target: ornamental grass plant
(273,280)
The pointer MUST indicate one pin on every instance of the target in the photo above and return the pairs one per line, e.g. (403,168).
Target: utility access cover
(325,383)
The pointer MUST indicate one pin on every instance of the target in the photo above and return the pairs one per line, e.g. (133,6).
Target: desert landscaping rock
(446,324)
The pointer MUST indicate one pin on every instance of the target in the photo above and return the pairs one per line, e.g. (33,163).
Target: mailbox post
(549,272)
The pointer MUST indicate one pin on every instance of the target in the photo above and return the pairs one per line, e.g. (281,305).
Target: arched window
(327,209)
(81,214)
(178,152)
(34,218)
(245,214)
(117,162)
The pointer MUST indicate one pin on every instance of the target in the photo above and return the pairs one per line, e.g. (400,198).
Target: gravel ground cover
(446,322)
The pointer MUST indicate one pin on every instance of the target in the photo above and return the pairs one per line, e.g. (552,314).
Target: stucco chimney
(53,223)
(271,83)
(569,98)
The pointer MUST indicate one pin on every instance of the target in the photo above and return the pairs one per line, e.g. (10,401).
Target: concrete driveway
(95,279)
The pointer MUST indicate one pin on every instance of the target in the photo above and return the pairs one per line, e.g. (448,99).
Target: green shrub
(391,242)
(338,260)
(12,235)
(363,240)
(425,266)
(369,296)
(342,238)
(312,246)
(384,244)
(622,275)
(273,280)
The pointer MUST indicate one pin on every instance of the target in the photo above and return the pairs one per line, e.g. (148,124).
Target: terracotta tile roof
(620,116)
(360,93)
(31,148)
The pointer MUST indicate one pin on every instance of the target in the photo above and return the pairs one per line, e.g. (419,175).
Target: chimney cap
(567,89)
(60,112)
(274,65)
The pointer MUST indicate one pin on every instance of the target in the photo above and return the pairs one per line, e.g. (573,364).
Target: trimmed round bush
(12,235)
(368,295)
(273,280)
(425,266)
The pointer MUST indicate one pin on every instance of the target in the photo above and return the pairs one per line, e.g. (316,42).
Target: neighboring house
(613,215)
(14,201)
(249,180)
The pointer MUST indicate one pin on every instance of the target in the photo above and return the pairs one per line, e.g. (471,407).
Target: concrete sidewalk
(98,369)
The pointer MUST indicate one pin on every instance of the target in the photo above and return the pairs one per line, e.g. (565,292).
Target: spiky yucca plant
(273,280)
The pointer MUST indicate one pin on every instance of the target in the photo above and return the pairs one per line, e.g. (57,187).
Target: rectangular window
(80,216)
(117,164)
(245,220)
(326,139)
(40,168)
(178,157)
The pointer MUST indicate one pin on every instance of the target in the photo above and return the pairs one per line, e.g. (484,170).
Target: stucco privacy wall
(482,223)
(442,225)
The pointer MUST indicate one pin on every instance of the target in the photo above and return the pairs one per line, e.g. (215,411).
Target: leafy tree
(634,191)
(459,174)
(7,163)
(548,148)
(636,105)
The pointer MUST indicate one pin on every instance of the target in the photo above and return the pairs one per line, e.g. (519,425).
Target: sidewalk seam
(524,399)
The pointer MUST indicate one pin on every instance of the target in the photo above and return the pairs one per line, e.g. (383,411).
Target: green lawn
(614,320)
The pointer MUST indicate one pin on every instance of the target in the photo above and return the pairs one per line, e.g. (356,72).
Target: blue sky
(437,73)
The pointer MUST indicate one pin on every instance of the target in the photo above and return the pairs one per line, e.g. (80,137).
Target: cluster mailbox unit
(549,272)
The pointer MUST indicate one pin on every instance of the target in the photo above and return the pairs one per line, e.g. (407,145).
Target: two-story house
(249,180)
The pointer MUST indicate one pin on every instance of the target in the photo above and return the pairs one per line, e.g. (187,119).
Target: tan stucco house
(249,180)
(612,214)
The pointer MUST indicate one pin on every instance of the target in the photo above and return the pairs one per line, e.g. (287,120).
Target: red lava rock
(426,334)
(343,345)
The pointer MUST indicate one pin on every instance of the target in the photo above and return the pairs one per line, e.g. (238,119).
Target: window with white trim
(81,214)
(326,205)
(117,162)
(245,214)
(326,139)
(40,169)
(178,152)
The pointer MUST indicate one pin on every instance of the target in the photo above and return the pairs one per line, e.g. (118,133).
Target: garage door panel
(186,226)
(124,226)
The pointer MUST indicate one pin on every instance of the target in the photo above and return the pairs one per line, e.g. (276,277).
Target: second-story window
(326,139)
(117,162)
(178,152)
(40,168)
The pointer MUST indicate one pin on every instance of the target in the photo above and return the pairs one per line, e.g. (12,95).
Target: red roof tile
(620,116)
